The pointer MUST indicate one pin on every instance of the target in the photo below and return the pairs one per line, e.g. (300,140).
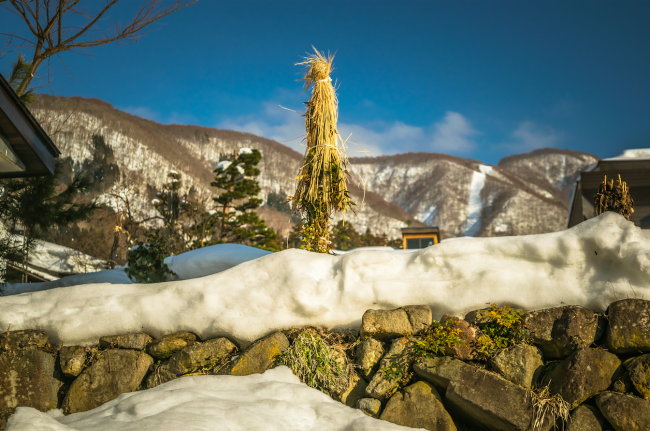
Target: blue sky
(481,79)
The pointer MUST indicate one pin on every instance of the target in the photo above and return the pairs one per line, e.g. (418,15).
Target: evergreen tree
(183,215)
(34,205)
(235,220)
(31,206)
(20,70)
(103,167)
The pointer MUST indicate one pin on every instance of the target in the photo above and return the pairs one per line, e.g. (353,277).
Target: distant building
(634,168)
(420,237)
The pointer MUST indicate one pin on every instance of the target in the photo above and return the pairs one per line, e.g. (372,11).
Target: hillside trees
(182,213)
(56,26)
(345,237)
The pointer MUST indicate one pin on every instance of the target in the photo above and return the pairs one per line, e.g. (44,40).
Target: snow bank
(57,258)
(192,264)
(275,400)
(110,276)
(592,264)
(373,248)
(211,260)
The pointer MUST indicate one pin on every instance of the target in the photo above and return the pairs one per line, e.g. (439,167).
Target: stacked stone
(598,364)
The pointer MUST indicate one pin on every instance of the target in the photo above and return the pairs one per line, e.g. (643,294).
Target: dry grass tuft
(318,357)
(545,405)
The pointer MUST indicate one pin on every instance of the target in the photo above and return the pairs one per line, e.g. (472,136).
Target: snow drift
(192,264)
(592,264)
(275,400)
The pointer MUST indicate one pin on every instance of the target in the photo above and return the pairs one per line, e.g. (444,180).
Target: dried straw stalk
(322,180)
(614,197)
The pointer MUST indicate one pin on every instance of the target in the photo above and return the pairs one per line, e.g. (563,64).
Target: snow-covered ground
(273,401)
(60,259)
(108,276)
(591,264)
(211,260)
(192,264)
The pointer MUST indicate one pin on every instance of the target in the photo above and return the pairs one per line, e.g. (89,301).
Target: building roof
(420,230)
(634,168)
(25,149)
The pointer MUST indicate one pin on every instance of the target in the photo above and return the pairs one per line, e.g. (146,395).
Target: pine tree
(37,204)
(19,72)
(235,220)
(183,215)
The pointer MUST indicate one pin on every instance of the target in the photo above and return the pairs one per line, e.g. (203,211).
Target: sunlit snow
(475,204)
(273,401)
(592,264)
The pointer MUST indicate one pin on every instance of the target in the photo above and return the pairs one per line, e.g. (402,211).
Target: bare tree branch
(56,27)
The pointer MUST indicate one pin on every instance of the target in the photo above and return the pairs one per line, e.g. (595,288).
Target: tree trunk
(25,254)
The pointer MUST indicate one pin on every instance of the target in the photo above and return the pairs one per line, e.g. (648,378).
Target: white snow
(273,401)
(211,260)
(60,259)
(636,153)
(592,264)
(223,165)
(374,248)
(487,170)
(244,150)
(109,276)
(192,264)
(475,204)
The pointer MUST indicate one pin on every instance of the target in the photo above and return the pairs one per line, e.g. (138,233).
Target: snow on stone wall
(592,264)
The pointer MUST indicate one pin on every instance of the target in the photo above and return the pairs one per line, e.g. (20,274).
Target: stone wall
(597,366)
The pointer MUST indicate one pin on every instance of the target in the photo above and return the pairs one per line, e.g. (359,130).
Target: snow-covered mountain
(524,194)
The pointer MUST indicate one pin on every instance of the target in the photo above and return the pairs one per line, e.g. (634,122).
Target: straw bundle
(322,180)
(616,198)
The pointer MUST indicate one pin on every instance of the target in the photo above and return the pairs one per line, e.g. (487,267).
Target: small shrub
(316,363)
(505,330)
(435,338)
(399,368)
(146,261)
(431,342)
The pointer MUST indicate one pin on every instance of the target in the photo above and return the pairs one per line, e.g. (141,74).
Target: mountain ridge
(524,193)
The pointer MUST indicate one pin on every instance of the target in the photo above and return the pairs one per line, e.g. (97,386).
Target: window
(415,243)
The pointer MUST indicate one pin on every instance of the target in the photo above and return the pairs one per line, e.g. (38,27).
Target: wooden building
(25,149)
(634,171)
(420,237)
